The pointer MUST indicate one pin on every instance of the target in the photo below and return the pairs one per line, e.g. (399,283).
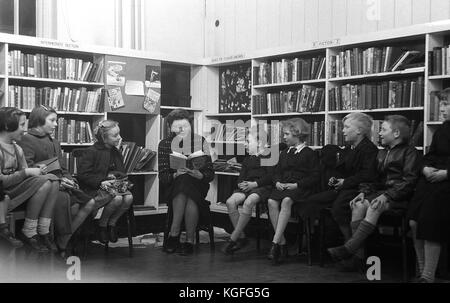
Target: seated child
(254,185)
(397,176)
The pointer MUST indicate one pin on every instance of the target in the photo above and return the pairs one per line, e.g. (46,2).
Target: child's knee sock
(29,228)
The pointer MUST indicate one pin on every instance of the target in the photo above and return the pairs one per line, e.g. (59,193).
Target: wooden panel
(210,29)
(325,19)
(440,10)
(403,13)
(339,16)
(219,32)
(355,10)
(420,11)
(265,25)
(298,21)
(370,16)
(273,34)
(285,13)
(311,22)
(245,26)
(229,26)
(387,20)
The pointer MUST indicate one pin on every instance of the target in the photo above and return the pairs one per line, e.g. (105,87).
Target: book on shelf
(73,131)
(60,98)
(439,61)
(377,95)
(439,101)
(136,158)
(316,136)
(44,66)
(69,162)
(307,99)
(289,70)
(196,160)
(358,61)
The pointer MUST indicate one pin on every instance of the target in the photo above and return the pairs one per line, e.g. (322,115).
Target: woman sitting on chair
(39,146)
(186,188)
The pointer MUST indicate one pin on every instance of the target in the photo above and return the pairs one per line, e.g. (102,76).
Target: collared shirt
(297,148)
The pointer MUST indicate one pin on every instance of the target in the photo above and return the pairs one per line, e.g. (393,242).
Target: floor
(151,264)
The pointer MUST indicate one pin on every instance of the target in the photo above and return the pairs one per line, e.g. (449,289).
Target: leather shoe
(172,244)
(230,247)
(339,253)
(283,253)
(47,242)
(103,235)
(112,233)
(186,249)
(275,253)
(34,243)
(7,235)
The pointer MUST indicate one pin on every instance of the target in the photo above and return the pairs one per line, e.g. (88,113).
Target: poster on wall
(115,73)
(115,98)
(235,89)
(153,76)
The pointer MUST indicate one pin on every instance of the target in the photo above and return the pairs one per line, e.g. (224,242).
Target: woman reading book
(102,175)
(185,188)
(23,184)
(73,205)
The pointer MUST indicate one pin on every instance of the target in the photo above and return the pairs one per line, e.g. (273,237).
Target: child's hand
(279,186)
(195,173)
(379,202)
(33,171)
(179,172)
(358,198)
(291,186)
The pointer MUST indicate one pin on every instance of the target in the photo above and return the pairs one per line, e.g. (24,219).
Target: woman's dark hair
(178,114)
(38,116)
(9,119)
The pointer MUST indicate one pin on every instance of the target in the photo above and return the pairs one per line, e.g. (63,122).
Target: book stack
(439,61)
(308,99)
(44,66)
(136,158)
(335,134)
(72,131)
(287,70)
(317,135)
(61,98)
(227,133)
(372,60)
(389,94)
(70,162)
(439,101)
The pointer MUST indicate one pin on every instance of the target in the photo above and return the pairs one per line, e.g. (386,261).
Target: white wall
(250,25)
(174,27)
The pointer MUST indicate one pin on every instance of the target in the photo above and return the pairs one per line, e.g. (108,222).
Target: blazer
(439,154)
(358,165)
(253,171)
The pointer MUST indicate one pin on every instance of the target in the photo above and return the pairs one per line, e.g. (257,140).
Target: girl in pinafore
(296,177)
(23,184)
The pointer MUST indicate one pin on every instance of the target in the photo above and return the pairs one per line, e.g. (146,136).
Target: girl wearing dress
(296,177)
(23,184)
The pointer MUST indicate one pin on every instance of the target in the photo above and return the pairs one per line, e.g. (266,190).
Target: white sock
(29,228)
(43,227)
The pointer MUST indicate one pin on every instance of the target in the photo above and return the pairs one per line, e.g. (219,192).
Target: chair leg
(300,233)
(258,228)
(197,237)
(211,237)
(308,240)
(130,236)
(321,239)
(404,250)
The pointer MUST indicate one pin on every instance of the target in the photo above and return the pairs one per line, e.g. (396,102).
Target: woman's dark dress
(193,188)
(430,206)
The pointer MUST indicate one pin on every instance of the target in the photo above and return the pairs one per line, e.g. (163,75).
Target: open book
(196,160)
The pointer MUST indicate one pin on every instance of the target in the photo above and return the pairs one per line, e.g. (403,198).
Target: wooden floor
(151,264)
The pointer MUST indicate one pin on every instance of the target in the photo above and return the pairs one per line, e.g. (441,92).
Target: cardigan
(15,164)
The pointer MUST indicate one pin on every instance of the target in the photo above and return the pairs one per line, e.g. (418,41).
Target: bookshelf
(18,56)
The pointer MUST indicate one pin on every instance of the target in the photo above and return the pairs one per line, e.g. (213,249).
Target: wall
(251,25)
(174,27)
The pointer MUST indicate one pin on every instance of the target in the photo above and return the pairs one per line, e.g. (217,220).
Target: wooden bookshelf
(379,110)
(287,115)
(58,81)
(71,113)
(442,77)
(222,173)
(378,75)
(228,115)
(185,108)
(288,84)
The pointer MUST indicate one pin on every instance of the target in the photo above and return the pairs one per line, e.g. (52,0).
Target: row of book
(136,158)
(70,162)
(60,98)
(439,101)
(391,94)
(228,133)
(316,136)
(73,131)
(287,70)
(373,60)
(439,61)
(335,132)
(307,99)
(44,66)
